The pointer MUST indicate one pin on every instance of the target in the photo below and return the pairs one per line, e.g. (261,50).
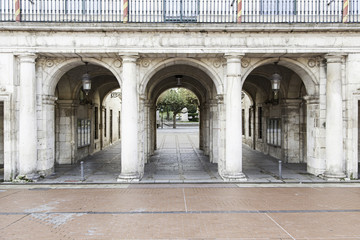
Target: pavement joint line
(178,158)
(26,214)
(183,190)
(207,170)
(280,226)
(187,212)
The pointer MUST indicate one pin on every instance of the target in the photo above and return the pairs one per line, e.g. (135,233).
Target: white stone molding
(145,62)
(245,62)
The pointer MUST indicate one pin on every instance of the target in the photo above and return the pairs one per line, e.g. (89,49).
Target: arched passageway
(275,121)
(200,83)
(86,122)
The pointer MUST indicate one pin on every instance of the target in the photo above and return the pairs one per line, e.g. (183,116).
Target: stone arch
(108,91)
(54,76)
(252,100)
(182,61)
(306,76)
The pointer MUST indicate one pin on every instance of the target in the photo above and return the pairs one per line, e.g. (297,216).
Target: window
(260,122)
(84,131)
(274,132)
(278,7)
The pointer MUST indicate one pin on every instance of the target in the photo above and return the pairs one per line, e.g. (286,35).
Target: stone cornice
(180,27)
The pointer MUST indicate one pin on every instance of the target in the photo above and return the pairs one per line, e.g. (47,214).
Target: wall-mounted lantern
(86,81)
(275,81)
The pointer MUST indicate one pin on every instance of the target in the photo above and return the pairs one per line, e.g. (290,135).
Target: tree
(192,101)
(176,99)
(173,101)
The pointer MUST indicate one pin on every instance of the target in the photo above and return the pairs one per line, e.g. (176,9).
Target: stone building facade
(313,119)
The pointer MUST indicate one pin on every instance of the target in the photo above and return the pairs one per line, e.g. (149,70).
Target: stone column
(129,121)
(27,117)
(233,132)
(334,119)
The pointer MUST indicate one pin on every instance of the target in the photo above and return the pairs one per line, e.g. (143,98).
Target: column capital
(311,99)
(49,99)
(291,101)
(129,57)
(334,58)
(230,56)
(219,99)
(67,103)
(27,57)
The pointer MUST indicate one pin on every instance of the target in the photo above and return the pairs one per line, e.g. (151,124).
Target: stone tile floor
(178,160)
(179,211)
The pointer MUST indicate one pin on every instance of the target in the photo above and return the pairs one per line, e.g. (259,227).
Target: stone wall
(1,133)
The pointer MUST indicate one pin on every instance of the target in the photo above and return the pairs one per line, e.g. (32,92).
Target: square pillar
(47,151)
(315,137)
(66,131)
(291,130)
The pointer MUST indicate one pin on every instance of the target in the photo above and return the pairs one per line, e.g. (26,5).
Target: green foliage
(191,100)
(172,101)
(175,99)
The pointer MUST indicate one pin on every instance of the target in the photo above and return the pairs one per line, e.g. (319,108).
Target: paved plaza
(196,205)
(179,211)
(179,160)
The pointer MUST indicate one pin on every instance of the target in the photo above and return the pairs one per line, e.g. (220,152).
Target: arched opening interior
(197,143)
(275,121)
(86,123)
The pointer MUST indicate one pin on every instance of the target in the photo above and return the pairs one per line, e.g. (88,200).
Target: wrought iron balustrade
(194,11)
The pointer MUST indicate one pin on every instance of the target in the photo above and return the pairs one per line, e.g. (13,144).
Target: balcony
(181,11)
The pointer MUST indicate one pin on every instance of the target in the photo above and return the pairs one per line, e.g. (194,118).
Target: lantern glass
(275,81)
(86,83)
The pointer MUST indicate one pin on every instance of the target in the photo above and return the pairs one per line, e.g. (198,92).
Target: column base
(234,177)
(31,177)
(331,176)
(129,177)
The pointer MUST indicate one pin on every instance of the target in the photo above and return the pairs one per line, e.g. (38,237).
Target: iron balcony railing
(195,11)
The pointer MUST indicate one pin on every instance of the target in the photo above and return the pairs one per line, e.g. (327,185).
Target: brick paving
(162,211)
